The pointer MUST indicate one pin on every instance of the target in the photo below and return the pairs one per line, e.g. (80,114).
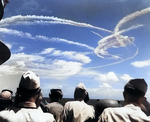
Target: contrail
(97,34)
(114,62)
(114,41)
(118,40)
(31,19)
(130,17)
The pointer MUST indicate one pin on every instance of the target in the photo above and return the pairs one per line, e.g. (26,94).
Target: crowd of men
(27,105)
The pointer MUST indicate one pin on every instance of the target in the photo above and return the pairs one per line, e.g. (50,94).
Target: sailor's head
(136,86)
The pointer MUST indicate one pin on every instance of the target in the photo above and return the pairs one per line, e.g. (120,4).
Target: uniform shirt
(128,113)
(56,109)
(27,114)
(77,111)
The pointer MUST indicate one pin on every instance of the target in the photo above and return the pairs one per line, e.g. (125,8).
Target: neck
(27,104)
(135,104)
(79,99)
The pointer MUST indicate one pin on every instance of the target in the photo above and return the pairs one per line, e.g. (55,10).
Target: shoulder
(49,117)
(54,104)
(3,115)
(6,112)
(25,114)
(7,116)
(79,105)
(72,104)
(36,114)
(105,115)
(111,110)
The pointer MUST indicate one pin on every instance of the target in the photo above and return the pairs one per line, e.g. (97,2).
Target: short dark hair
(56,93)
(80,93)
(134,92)
(26,94)
(136,87)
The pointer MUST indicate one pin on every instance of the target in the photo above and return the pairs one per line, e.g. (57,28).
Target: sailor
(134,92)
(27,100)
(54,106)
(6,99)
(78,110)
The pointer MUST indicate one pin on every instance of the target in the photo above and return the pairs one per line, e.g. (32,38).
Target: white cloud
(77,56)
(26,58)
(47,51)
(9,45)
(56,69)
(66,68)
(21,48)
(11,80)
(72,56)
(7,70)
(15,32)
(56,53)
(105,93)
(41,37)
(110,77)
(141,63)
(20,63)
(105,85)
(126,77)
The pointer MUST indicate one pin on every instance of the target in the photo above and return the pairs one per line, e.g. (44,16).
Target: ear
(143,99)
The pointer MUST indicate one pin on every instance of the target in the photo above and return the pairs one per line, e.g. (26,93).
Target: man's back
(128,113)
(25,115)
(77,111)
(56,109)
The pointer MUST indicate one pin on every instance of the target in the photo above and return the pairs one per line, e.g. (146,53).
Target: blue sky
(101,43)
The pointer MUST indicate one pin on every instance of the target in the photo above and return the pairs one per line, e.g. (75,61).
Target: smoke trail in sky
(31,19)
(114,62)
(130,17)
(116,39)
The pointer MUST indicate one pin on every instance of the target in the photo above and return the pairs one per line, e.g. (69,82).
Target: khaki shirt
(128,113)
(77,111)
(56,109)
(25,115)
